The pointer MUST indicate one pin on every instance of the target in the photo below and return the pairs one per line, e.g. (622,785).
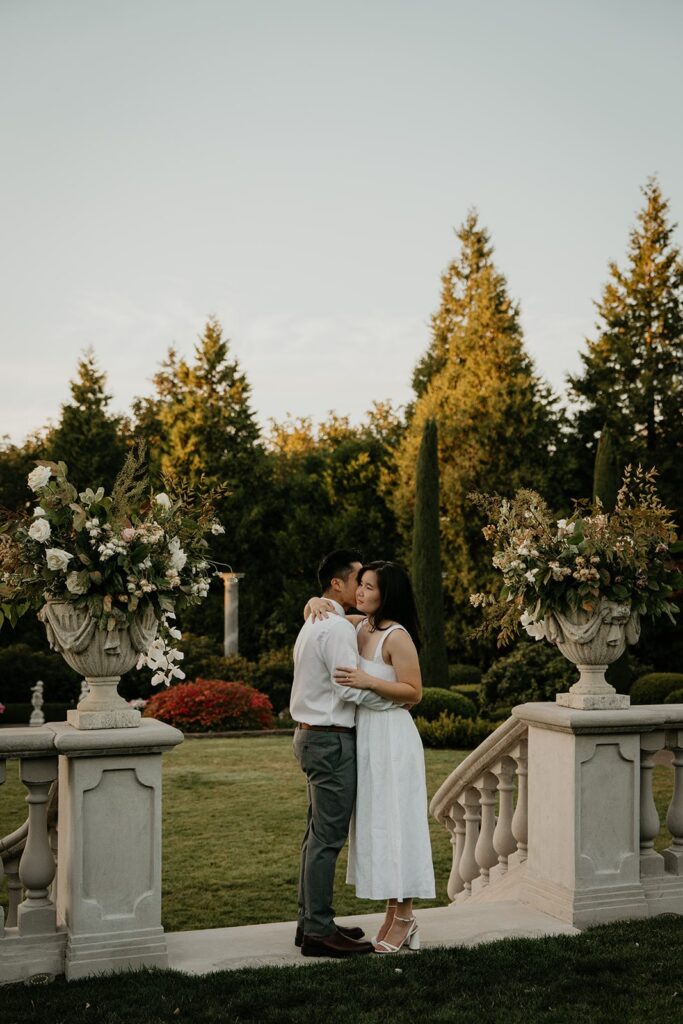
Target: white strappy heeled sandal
(412,937)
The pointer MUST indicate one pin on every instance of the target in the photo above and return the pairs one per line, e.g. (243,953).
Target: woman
(389,848)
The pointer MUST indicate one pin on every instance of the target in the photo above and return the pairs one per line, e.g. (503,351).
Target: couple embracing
(355,676)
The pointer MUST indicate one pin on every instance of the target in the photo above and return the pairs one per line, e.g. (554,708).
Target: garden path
(260,945)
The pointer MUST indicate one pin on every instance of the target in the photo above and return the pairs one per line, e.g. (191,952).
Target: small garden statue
(37,716)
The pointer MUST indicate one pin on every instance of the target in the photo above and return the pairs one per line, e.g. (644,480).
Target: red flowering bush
(209,705)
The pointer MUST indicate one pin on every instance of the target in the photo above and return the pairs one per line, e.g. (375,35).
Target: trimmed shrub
(675,697)
(209,705)
(470,690)
(655,687)
(459,675)
(272,674)
(533,670)
(453,731)
(435,701)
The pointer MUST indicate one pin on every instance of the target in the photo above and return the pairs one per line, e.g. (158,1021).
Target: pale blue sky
(297,168)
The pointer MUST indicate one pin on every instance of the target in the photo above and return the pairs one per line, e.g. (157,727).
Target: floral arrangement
(564,565)
(211,704)
(112,555)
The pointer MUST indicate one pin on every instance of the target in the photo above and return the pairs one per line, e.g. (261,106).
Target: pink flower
(128,534)
(2,709)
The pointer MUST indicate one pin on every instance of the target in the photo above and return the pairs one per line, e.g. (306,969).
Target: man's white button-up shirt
(322,646)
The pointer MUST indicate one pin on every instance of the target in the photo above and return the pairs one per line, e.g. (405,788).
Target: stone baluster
(503,840)
(651,862)
(484,851)
(14,890)
(673,856)
(468,867)
(455,822)
(520,819)
(36,914)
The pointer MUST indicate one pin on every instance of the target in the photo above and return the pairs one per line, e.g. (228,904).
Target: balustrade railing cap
(637,718)
(27,741)
(150,735)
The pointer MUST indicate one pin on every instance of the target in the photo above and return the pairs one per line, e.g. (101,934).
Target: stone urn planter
(102,656)
(592,641)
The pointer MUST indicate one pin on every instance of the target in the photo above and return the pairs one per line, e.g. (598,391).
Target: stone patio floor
(262,945)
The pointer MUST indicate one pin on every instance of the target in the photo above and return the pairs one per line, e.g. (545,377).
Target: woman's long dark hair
(397,601)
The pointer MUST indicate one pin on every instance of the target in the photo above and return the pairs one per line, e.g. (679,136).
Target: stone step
(267,945)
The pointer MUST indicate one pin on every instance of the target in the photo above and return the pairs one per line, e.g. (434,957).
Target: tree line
(299,489)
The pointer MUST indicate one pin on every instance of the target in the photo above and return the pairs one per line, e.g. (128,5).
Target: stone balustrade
(84,869)
(30,941)
(578,839)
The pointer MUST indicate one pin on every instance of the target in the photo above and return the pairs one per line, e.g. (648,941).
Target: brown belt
(328,728)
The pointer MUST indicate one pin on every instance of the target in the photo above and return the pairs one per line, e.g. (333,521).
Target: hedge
(435,701)
(675,697)
(463,674)
(454,732)
(655,687)
(20,714)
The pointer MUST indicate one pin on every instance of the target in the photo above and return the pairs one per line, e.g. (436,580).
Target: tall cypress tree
(606,475)
(427,561)
(496,423)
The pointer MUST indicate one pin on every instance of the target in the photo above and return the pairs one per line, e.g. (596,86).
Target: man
(325,746)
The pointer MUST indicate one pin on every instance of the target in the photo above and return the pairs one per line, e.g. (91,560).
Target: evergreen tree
(88,438)
(632,376)
(200,424)
(426,562)
(606,476)
(497,427)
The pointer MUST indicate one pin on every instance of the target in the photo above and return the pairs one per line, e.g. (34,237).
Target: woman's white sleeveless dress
(390,854)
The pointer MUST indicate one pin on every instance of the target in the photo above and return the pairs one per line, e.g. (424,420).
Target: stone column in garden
(109,866)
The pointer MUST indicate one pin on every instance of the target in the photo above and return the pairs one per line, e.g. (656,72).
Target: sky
(297,168)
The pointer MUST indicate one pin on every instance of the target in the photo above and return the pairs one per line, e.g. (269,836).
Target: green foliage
(426,561)
(435,701)
(497,425)
(606,474)
(22,665)
(632,377)
(271,673)
(454,731)
(88,438)
(462,674)
(20,714)
(571,565)
(532,671)
(655,687)
(675,697)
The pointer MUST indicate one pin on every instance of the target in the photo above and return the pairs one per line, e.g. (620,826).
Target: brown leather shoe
(350,933)
(336,945)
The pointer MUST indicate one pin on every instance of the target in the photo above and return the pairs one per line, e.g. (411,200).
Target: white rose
(57,560)
(77,583)
(38,477)
(39,530)
(178,556)
(38,511)
(163,500)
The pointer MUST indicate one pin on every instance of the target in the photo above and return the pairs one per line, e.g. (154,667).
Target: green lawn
(626,973)
(234,813)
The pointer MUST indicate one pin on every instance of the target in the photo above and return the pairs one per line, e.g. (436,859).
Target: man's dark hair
(337,565)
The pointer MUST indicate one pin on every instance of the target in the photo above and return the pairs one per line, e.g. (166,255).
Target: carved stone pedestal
(584,819)
(109,868)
